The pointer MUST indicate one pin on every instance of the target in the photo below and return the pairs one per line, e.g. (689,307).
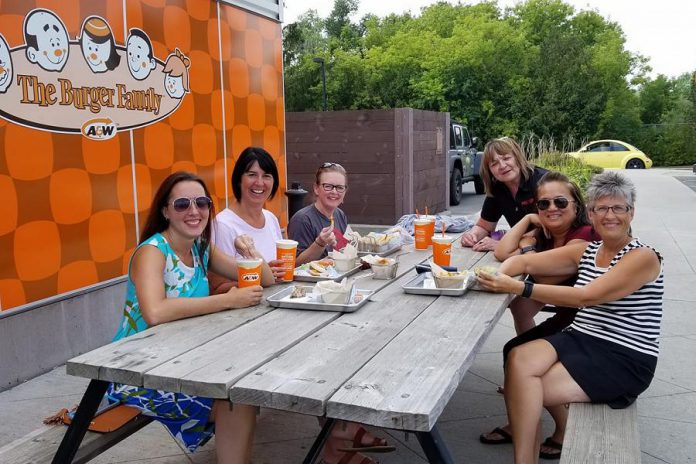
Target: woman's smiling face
(330,200)
(256,185)
(554,217)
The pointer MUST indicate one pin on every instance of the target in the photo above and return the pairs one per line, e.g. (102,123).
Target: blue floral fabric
(184,416)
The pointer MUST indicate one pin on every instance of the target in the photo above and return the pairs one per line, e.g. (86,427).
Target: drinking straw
(426,210)
(443,228)
(417,215)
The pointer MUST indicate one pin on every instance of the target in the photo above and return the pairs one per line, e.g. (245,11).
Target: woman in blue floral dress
(167,280)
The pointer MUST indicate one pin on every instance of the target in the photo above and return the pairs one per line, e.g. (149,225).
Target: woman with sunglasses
(561,220)
(609,353)
(167,281)
(254,181)
(510,182)
(319,227)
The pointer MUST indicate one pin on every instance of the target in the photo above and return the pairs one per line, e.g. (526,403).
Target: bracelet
(316,240)
(528,288)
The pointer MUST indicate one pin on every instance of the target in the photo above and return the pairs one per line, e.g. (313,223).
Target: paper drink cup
(431,229)
(286,250)
(249,272)
(442,249)
(421,227)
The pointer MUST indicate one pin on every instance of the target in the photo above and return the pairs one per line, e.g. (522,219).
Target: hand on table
(469,239)
(485,244)
(245,297)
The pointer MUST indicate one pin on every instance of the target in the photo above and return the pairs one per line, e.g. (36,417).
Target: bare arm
(147,271)
(517,238)
(634,270)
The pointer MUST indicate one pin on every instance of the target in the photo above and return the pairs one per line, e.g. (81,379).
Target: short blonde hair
(502,146)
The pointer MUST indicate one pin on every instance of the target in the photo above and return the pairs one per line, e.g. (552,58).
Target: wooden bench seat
(595,433)
(40,446)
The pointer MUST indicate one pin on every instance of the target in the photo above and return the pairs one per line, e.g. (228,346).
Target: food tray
(419,286)
(382,254)
(282,300)
(335,276)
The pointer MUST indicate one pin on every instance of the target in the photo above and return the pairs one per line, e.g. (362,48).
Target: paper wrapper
(331,292)
(346,259)
(446,279)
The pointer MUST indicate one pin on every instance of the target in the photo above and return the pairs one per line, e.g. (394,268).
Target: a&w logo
(99,129)
(250,277)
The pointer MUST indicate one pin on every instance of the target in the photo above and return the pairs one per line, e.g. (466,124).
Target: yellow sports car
(612,154)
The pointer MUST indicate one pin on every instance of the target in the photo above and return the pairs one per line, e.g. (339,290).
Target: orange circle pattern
(70,216)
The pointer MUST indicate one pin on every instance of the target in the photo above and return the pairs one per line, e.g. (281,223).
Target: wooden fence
(396,159)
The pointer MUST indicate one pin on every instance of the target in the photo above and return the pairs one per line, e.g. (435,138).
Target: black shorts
(563,318)
(607,372)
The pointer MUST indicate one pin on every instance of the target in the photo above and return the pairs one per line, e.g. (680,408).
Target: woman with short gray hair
(609,353)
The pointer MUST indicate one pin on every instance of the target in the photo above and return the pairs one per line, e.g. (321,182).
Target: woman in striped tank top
(609,353)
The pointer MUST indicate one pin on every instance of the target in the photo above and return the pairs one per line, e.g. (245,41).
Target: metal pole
(323,78)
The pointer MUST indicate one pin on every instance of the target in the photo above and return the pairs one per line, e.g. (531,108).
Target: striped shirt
(632,321)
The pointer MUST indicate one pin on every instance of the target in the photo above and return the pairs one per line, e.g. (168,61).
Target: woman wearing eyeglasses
(510,183)
(254,181)
(167,281)
(319,227)
(561,220)
(609,353)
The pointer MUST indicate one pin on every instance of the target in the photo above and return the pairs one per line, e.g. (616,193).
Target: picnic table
(395,363)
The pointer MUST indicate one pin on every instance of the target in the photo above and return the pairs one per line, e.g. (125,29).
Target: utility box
(396,159)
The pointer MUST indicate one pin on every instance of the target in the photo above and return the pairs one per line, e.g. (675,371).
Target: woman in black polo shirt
(510,183)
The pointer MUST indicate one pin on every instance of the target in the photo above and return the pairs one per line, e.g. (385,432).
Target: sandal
(507,438)
(554,445)
(377,445)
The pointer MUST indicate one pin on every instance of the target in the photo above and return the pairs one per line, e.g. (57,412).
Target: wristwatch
(527,249)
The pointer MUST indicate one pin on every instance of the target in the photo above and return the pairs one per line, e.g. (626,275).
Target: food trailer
(99,102)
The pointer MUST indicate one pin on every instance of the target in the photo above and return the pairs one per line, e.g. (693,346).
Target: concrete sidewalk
(665,218)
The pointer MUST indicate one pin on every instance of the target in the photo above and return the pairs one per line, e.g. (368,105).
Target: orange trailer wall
(70,206)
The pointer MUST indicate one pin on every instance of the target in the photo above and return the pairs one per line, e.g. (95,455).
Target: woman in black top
(510,183)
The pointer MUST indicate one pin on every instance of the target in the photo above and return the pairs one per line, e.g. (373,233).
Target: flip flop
(507,438)
(553,444)
(378,445)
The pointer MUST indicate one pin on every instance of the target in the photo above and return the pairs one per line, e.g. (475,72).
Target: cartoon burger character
(47,40)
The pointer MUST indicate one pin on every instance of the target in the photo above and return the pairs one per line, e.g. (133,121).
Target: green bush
(578,171)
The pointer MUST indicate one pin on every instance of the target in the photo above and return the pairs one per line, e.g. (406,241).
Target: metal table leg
(78,427)
(318,444)
(434,447)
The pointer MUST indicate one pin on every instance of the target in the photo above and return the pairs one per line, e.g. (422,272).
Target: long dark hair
(543,243)
(156,222)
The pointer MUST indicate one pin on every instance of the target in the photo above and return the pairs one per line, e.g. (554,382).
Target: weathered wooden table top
(394,363)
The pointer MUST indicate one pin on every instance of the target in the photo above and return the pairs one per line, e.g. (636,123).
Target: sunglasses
(183,204)
(560,202)
(329,165)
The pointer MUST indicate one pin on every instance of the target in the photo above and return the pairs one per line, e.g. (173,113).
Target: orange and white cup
(286,250)
(249,272)
(422,233)
(442,249)
(431,229)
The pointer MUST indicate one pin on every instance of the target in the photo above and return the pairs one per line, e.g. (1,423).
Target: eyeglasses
(616,209)
(560,202)
(338,188)
(183,204)
(329,165)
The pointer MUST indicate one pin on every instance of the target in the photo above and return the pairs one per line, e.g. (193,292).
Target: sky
(660,30)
